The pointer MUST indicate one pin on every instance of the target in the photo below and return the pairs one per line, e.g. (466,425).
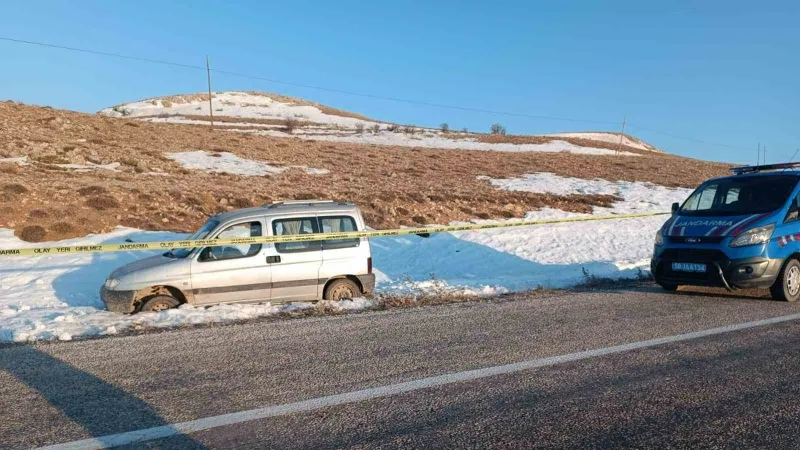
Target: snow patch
(225,162)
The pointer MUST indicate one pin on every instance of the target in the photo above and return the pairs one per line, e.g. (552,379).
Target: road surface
(608,369)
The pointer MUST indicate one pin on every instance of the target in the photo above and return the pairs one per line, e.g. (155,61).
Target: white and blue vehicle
(736,232)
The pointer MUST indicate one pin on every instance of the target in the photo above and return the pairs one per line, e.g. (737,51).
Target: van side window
(239,230)
(338,224)
(794,211)
(303,225)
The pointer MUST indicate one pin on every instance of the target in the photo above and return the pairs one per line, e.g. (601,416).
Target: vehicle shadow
(99,407)
(81,285)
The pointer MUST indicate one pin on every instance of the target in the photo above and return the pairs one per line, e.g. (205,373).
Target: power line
(307,86)
(361,94)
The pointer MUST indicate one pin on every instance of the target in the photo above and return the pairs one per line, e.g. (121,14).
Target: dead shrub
(38,213)
(393,127)
(9,168)
(32,233)
(409,129)
(290,124)
(62,227)
(483,215)
(376,128)
(15,188)
(241,202)
(359,128)
(92,190)
(445,127)
(498,129)
(420,220)
(102,202)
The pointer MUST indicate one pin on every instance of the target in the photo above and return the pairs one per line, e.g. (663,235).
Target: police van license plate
(688,267)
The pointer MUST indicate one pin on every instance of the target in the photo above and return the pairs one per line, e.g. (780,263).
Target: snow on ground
(232,104)
(21,160)
(90,167)
(56,296)
(225,162)
(431,139)
(612,138)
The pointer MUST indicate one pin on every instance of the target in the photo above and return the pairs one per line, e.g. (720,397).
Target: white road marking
(193,426)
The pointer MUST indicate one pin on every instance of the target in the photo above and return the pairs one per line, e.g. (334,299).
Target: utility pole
(621,135)
(210,108)
(765,154)
(758,154)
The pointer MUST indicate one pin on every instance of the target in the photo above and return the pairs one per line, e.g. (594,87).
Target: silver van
(252,273)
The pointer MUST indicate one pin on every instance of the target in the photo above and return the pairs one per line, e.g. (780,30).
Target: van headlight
(111,283)
(756,236)
(659,238)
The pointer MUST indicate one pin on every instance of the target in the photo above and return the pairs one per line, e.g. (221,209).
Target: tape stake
(163,245)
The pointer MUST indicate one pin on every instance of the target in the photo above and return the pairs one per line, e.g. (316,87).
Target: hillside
(277,115)
(66,174)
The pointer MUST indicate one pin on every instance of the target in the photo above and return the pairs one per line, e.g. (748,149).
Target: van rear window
(739,195)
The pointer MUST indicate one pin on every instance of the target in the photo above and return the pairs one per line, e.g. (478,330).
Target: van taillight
(369,265)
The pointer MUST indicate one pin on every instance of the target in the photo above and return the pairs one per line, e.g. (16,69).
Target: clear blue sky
(719,71)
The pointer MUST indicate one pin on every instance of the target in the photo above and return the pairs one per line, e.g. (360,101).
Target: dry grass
(393,185)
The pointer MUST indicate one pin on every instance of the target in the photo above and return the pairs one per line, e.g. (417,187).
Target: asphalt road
(735,389)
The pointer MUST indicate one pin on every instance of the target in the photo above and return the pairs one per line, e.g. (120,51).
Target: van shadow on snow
(462,263)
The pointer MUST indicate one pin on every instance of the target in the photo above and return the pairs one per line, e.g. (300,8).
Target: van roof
(794,173)
(290,207)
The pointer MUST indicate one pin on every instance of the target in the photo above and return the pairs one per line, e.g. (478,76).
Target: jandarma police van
(740,231)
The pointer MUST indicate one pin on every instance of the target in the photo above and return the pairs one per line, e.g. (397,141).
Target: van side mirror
(675,207)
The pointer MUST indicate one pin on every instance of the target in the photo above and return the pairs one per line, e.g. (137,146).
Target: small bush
(409,129)
(102,202)
(38,214)
(393,127)
(376,128)
(290,124)
(241,202)
(359,128)
(444,127)
(419,219)
(32,233)
(92,190)
(9,168)
(62,227)
(15,188)
(465,130)
(483,215)
(498,129)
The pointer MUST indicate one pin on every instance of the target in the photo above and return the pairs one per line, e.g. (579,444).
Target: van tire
(787,287)
(159,303)
(340,289)
(668,286)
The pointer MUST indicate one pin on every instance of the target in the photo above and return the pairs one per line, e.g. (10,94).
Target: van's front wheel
(159,303)
(787,286)
(342,289)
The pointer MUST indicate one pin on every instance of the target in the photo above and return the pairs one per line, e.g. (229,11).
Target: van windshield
(202,233)
(739,196)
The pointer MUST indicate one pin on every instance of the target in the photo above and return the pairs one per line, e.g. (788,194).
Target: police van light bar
(754,169)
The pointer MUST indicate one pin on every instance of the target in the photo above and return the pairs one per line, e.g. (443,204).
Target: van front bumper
(117,301)
(745,273)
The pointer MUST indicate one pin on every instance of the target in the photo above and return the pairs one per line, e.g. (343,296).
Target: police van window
(223,252)
(338,224)
(304,225)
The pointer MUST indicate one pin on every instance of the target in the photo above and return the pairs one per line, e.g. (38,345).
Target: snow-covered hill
(276,115)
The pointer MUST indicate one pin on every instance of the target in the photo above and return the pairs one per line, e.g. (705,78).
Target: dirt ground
(393,185)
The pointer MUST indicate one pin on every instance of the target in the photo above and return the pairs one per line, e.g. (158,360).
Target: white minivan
(252,273)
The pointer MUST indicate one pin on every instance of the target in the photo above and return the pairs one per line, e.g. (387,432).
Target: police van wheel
(342,289)
(668,286)
(787,286)
(159,303)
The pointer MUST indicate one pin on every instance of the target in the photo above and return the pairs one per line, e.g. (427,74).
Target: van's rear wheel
(342,289)
(160,303)
(668,286)
(787,286)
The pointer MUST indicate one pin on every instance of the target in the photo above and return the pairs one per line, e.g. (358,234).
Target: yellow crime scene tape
(142,246)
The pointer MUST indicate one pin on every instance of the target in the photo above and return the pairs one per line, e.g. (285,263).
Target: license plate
(688,267)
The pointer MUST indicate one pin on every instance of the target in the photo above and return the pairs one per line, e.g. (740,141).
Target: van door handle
(273,259)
